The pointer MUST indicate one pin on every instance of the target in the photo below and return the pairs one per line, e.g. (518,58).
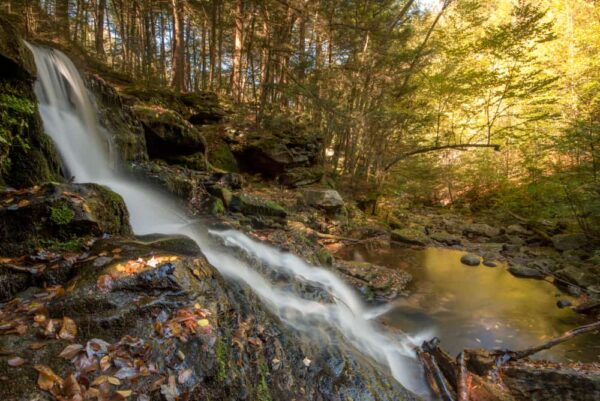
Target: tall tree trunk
(236,65)
(100,28)
(212,46)
(178,8)
(62,16)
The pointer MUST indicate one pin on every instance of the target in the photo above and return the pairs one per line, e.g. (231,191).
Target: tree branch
(402,156)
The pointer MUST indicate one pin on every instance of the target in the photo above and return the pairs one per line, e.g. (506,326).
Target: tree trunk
(236,76)
(178,9)
(62,16)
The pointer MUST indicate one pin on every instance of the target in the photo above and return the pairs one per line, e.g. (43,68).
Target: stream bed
(477,307)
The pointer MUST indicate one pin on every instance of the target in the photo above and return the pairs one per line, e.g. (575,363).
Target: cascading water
(69,118)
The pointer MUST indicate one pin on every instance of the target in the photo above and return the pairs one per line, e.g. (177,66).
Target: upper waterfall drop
(69,117)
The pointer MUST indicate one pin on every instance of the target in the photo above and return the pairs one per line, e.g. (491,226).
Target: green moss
(220,156)
(72,245)
(262,389)
(61,215)
(217,207)
(222,353)
(324,257)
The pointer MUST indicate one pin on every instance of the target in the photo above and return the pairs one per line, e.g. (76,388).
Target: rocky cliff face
(27,156)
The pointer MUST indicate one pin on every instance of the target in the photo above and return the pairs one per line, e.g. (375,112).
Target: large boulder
(168,135)
(276,148)
(55,214)
(149,321)
(115,113)
(569,242)
(218,153)
(481,230)
(326,199)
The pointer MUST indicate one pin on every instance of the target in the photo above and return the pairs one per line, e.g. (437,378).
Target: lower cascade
(69,117)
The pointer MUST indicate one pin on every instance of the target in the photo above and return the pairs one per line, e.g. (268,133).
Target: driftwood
(516,355)
(480,375)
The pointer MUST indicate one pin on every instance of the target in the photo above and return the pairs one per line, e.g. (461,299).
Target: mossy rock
(57,215)
(410,236)
(254,206)
(16,61)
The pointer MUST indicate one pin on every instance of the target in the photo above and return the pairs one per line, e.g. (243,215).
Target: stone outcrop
(325,199)
(55,214)
(27,155)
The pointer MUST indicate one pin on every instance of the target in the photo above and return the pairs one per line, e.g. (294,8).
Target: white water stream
(70,118)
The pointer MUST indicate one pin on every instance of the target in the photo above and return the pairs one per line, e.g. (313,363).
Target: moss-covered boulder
(27,155)
(168,135)
(255,206)
(218,153)
(115,113)
(411,236)
(58,214)
(325,199)
(276,147)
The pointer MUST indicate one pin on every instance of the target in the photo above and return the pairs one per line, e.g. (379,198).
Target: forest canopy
(473,103)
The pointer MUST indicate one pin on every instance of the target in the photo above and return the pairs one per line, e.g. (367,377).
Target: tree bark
(236,76)
(178,10)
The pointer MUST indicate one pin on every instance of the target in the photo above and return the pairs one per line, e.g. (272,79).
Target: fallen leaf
(105,362)
(68,330)
(70,351)
(47,378)
(184,376)
(114,380)
(99,380)
(124,393)
(203,322)
(105,283)
(71,388)
(37,345)
(16,362)
(23,203)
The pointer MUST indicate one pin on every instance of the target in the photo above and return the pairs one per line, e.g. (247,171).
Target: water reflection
(471,307)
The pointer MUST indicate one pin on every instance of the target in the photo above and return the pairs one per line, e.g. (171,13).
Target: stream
(475,307)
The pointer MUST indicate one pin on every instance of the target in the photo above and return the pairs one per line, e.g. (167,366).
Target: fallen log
(482,375)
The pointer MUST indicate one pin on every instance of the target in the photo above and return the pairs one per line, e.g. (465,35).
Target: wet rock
(525,272)
(489,263)
(148,314)
(168,135)
(532,380)
(569,242)
(378,283)
(411,236)
(591,307)
(57,213)
(326,199)
(446,238)
(480,230)
(116,115)
(470,260)
(27,155)
(563,303)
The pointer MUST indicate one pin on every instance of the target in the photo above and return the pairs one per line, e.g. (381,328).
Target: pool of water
(475,307)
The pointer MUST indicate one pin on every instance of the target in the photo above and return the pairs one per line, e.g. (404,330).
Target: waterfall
(69,117)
